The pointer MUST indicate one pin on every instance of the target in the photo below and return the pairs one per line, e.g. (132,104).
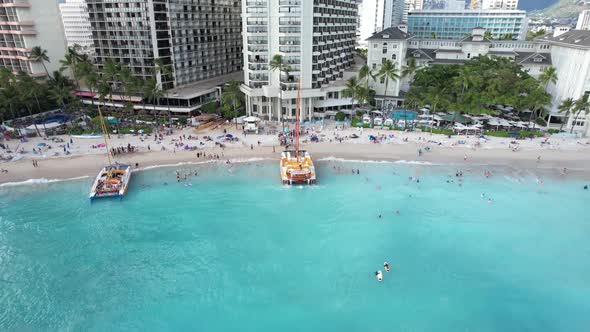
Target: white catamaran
(296,165)
(113,179)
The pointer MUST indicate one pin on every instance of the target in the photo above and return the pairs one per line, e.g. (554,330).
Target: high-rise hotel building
(316,38)
(25,24)
(74,15)
(198,40)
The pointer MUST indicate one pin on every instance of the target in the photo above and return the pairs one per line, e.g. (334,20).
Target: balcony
(256,3)
(257,67)
(257,48)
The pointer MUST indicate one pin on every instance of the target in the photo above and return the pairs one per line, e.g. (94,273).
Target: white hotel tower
(75,18)
(316,38)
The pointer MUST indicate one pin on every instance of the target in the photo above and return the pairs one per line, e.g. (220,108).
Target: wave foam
(40,181)
(191,163)
(355,160)
(408,162)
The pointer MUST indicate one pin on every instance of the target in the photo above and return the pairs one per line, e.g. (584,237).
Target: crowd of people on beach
(123,149)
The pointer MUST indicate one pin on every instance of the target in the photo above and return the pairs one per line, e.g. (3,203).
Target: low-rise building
(456,24)
(399,46)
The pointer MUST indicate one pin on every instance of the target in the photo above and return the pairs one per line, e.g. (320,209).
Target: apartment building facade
(316,39)
(25,24)
(450,24)
(196,40)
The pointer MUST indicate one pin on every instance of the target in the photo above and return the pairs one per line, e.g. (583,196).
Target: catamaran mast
(297,125)
(104,135)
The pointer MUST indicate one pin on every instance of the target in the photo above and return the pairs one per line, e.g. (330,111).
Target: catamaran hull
(94,193)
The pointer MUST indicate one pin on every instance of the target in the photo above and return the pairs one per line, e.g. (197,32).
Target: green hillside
(562,9)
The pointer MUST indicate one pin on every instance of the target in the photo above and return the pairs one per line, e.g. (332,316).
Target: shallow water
(238,251)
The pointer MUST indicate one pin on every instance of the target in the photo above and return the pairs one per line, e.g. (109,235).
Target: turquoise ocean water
(236,251)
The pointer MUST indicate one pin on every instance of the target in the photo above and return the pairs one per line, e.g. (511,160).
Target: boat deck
(297,171)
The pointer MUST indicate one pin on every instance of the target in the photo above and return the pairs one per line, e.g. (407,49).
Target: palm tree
(8,91)
(566,107)
(71,61)
(435,98)
(129,83)
(411,68)
(40,55)
(549,75)
(277,63)
(24,86)
(31,89)
(388,71)
(92,80)
(364,95)
(365,74)
(153,93)
(539,99)
(580,105)
(110,76)
(164,70)
(233,97)
(351,90)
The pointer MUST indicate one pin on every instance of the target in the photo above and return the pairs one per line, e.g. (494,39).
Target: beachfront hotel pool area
(236,250)
(403,115)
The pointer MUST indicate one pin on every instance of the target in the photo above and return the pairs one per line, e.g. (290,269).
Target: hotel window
(393,57)
(468,55)
(384,48)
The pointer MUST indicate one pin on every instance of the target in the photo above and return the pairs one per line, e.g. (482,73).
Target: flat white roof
(200,88)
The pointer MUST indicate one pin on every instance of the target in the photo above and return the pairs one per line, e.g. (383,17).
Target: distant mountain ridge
(563,9)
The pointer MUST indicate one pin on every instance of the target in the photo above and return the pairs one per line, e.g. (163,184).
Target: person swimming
(386,266)
(490,201)
(483,195)
(379,275)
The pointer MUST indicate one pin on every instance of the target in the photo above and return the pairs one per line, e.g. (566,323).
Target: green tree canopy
(481,81)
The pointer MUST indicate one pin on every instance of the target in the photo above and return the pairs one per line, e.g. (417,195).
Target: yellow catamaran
(296,165)
(113,179)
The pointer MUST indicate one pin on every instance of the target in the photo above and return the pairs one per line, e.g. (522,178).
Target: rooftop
(578,38)
(203,87)
(392,33)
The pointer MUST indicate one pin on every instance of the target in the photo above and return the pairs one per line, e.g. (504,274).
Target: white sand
(85,160)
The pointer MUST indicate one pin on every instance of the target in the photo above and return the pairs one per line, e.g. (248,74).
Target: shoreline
(398,147)
(78,167)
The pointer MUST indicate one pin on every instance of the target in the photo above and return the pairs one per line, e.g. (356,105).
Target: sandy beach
(464,151)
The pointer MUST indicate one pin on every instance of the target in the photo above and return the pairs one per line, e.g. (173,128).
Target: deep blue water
(529,5)
(236,251)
